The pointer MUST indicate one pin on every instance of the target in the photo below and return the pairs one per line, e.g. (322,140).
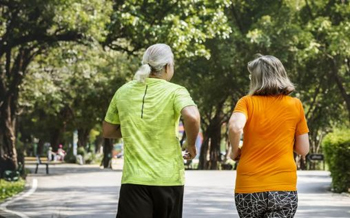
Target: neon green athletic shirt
(148,114)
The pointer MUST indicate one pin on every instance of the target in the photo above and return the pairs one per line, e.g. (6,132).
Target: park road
(74,191)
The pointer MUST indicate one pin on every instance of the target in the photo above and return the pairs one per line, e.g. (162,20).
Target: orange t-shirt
(267,162)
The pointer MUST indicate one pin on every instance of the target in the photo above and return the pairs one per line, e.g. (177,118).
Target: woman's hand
(238,156)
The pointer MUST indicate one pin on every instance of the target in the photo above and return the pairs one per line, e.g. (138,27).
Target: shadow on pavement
(209,202)
(68,169)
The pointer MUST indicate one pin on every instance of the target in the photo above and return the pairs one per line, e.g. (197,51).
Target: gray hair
(268,77)
(155,58)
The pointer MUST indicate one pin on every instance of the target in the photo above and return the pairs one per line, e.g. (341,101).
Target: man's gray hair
(155,58)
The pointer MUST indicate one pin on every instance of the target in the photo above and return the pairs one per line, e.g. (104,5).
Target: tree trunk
(107,153)
(303,163)
(203,162)
(10,80)
(40,147)
(98,143)
(212,135)
(55,139)
(8,151)
(83,137)
(338,81)
(215,155)
(212,143)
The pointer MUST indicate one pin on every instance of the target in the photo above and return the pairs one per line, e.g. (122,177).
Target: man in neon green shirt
(145,113)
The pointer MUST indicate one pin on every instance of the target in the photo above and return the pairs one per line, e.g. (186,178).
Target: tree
(307,40)
(76,79)
(184,25)
(123,30)
(285,30)
(28,28)
(215,85)
(328,24)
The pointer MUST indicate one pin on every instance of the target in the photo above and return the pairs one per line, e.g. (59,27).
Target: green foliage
(337,150)
(306,37)
(78,85)
(184,25)
(68,86)
(35,21)
(9,189)
(93,135)
(32,27)
(93,158)
(81,151)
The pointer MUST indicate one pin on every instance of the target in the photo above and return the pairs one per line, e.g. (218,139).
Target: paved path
(86,191)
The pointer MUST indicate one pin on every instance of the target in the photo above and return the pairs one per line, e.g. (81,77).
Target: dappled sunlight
(88,191)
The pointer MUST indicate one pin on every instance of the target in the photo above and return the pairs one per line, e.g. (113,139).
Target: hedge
(9,189)
(336,147)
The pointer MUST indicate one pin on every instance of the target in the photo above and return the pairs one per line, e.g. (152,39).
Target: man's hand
(190,153)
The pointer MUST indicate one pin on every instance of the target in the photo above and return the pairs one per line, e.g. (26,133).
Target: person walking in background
(145,113)
(51,156)
(274,126)
(61,153)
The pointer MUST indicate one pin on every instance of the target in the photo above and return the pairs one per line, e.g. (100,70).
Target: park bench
(40,161)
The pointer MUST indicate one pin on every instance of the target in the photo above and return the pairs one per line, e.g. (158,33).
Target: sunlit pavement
(88,191)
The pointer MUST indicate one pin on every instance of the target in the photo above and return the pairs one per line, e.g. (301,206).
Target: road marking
(27,194)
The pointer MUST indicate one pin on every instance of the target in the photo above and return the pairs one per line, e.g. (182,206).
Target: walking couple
(145,113)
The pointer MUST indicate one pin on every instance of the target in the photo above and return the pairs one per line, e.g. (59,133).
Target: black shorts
(142,201)
(267,204)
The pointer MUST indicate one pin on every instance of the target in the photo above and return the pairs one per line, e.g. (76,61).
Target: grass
(9,189)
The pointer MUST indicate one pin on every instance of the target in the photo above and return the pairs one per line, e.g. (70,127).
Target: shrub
(93,158)
(81,151)
(9,189)
(70,158)
(336,147)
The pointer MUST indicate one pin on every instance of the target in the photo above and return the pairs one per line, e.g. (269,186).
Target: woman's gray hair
(268,77)
(155,58)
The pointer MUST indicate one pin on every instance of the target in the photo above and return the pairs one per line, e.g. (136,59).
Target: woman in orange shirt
(274,126)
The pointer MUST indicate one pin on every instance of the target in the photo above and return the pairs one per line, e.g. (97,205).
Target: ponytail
(155,58)
(142,73)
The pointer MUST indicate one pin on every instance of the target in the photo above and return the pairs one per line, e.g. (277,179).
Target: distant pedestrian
(146,112)
(274,126)
(51,156)
(61,153)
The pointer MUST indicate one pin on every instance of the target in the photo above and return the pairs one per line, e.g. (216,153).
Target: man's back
(148,114)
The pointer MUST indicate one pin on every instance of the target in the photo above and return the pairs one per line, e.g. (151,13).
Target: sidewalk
(90,192)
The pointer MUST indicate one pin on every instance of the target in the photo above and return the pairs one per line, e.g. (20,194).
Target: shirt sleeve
(112,115)
(242,107)
(182,99)
(302,125)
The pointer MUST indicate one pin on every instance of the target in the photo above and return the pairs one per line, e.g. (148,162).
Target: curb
(20,196)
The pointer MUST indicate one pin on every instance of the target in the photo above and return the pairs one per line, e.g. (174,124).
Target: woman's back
(267,162)
(274,126)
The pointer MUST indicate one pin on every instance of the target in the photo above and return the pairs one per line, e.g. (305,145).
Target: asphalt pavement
(73,191)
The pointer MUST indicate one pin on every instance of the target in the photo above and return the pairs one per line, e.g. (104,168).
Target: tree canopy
(62,60)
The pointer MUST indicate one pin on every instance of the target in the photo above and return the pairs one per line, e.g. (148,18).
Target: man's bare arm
(111,131)
(191,119)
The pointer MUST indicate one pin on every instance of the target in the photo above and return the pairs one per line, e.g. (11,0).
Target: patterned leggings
(267,204)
